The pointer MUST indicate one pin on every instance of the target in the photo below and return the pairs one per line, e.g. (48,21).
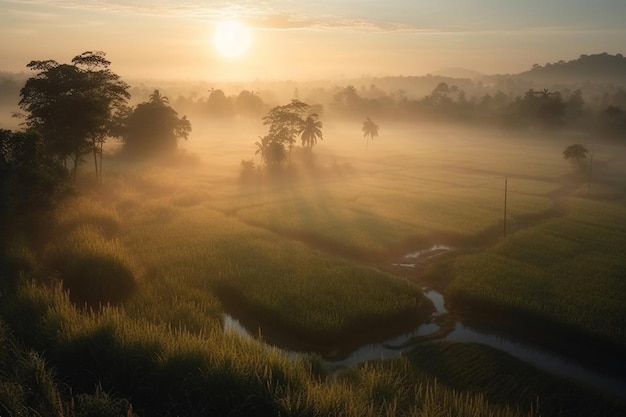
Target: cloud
(326,16)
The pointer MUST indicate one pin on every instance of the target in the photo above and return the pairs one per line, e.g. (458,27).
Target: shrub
(248,169)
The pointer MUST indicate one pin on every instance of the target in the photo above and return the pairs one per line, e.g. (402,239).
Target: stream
(533,355)
(530,353)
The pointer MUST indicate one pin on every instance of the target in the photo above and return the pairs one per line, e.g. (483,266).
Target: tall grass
(94,270)
(568,270)
(283,283)
(29,386)
(502,379)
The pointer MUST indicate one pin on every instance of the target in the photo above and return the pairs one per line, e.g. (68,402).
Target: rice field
(570,270)
(301,254)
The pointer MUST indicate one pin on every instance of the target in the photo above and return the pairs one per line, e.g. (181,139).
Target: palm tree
(260,146)
(311,130)
(157,98)
(369,129)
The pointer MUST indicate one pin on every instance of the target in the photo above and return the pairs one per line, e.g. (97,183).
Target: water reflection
(540,358)
(438,302)
(427,253)
(394,347)
(422,255)
(231,324)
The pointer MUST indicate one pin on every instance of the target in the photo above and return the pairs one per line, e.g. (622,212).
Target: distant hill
(597,68)
(458,72)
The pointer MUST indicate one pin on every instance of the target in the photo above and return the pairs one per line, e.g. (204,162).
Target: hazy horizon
(300,41)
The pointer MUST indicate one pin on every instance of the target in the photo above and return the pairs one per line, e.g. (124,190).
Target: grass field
(299,253)
(570,270)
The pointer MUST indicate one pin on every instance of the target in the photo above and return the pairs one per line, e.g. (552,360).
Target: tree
(157,98)
(249,103)
(72,105)
(311,130)
(153,127)
(285,123)
(348,101)
(369,129)
(576,152)
(32,180)
(546,107)
(272,150)
(218,104)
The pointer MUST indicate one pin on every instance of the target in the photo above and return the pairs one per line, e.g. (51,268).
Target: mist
(348,245)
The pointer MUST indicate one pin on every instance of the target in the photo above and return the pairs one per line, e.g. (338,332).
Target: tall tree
(153,127)
(72,105)
(311,130)
(369,129)
(285,123)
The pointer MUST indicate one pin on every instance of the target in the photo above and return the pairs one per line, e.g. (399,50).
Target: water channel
(535,355)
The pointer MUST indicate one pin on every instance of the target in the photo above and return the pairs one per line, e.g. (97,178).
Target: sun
(231,39)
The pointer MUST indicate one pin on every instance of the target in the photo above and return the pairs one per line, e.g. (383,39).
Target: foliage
(577,153)
(561,98)
(545,107)
(248,169)
(285,124)
(72,105)
(248,103)
(369,129)
(154,127)
(218,105)
(272,151)
(310,130)
(32,180)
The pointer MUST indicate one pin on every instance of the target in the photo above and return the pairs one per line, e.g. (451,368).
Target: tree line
(597,110)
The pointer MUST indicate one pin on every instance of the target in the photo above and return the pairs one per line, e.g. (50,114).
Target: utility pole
(590,170)
(505,191)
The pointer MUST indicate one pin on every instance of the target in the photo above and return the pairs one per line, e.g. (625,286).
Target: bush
(248,169)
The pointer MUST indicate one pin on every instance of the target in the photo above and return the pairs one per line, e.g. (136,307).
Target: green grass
(197,242)
(502,379)
(162,370)
(568,270)
(94,270)
(303,290)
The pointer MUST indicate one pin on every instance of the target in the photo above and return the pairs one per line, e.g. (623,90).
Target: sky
(310,40)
